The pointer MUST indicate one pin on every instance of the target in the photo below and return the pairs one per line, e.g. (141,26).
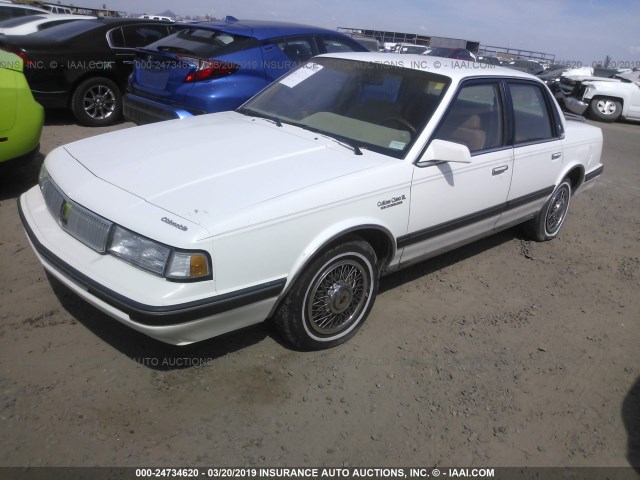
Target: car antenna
(230,19)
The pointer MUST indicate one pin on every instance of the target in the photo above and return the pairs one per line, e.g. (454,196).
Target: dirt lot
(503,353)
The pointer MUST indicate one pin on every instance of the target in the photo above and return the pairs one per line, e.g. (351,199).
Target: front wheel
(546,225)
(331,299)
(97,102)
(605,109)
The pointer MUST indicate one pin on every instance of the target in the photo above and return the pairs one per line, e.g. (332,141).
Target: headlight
(139,250)
(97,233)
(158,258)
(43,175)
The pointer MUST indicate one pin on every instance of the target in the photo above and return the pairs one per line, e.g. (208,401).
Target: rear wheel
(97,102)
(547,224)
(605,109)
(331,299)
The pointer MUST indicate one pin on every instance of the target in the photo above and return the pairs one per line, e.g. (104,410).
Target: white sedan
(35,23)
(293,206)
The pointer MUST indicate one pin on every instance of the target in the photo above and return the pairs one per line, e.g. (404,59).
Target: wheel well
(576,176)
(380,241)
(617,99)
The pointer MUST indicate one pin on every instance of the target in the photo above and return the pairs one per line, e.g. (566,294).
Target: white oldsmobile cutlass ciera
(293,206)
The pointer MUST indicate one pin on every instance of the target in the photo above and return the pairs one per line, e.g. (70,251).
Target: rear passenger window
(531,115)
(297,49)
(335,45)
(142,35)
(474,118)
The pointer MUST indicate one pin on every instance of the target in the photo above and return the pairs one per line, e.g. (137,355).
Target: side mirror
(443,151)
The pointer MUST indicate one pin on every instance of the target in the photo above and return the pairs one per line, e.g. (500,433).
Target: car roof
(449,67)
(263,30)
(70,30)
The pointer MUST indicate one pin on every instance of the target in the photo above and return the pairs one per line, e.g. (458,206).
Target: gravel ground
(501,353)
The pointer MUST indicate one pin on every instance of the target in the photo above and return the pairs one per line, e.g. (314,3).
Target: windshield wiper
(340,141)
(253,113)
(353,146)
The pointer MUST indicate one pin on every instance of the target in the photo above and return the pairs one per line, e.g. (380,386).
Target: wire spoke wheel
(332,297)
(557,210)
(337,297)
(547,224)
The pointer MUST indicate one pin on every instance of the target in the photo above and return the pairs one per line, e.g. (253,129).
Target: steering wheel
(400,121)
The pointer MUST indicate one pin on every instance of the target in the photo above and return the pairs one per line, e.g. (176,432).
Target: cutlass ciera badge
(391,202)
(174,224)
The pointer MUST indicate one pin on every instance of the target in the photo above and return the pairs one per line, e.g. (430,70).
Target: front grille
(83,224)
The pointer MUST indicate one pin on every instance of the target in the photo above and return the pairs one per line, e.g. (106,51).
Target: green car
(21,117)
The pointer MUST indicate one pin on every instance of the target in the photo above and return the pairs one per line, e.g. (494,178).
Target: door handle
(556,156)
(499,170)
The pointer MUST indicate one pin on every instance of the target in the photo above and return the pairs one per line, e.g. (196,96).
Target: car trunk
(160,74)
(161,69)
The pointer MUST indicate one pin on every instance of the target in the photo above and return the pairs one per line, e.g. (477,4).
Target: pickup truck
(292,207)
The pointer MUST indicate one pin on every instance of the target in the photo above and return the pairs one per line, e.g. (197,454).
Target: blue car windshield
(375,106)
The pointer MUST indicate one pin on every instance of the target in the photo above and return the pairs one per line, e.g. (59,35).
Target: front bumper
(178,324)
(142,111)
(574,105)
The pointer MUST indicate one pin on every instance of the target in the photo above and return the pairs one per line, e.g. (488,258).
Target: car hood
(582,78)
(210,167)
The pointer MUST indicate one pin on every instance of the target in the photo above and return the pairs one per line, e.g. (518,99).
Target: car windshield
(201,42)
(375,106)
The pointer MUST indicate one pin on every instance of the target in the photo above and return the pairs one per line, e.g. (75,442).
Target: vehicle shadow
(631,420)
(160,356)
(445,260)
(145,350)
(62,117)
(59,116)
(19,175)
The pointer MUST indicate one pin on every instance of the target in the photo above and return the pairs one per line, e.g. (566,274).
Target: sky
(582,31)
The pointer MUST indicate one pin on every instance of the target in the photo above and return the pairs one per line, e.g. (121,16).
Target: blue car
(213,67)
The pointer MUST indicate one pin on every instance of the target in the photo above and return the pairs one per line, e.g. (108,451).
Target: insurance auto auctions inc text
(373,472)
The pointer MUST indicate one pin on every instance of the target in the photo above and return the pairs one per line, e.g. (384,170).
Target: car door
(537,147)
(281,55)
(454,203)
(634,101)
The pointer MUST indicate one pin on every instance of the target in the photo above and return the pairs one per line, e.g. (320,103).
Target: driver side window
(474,118)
